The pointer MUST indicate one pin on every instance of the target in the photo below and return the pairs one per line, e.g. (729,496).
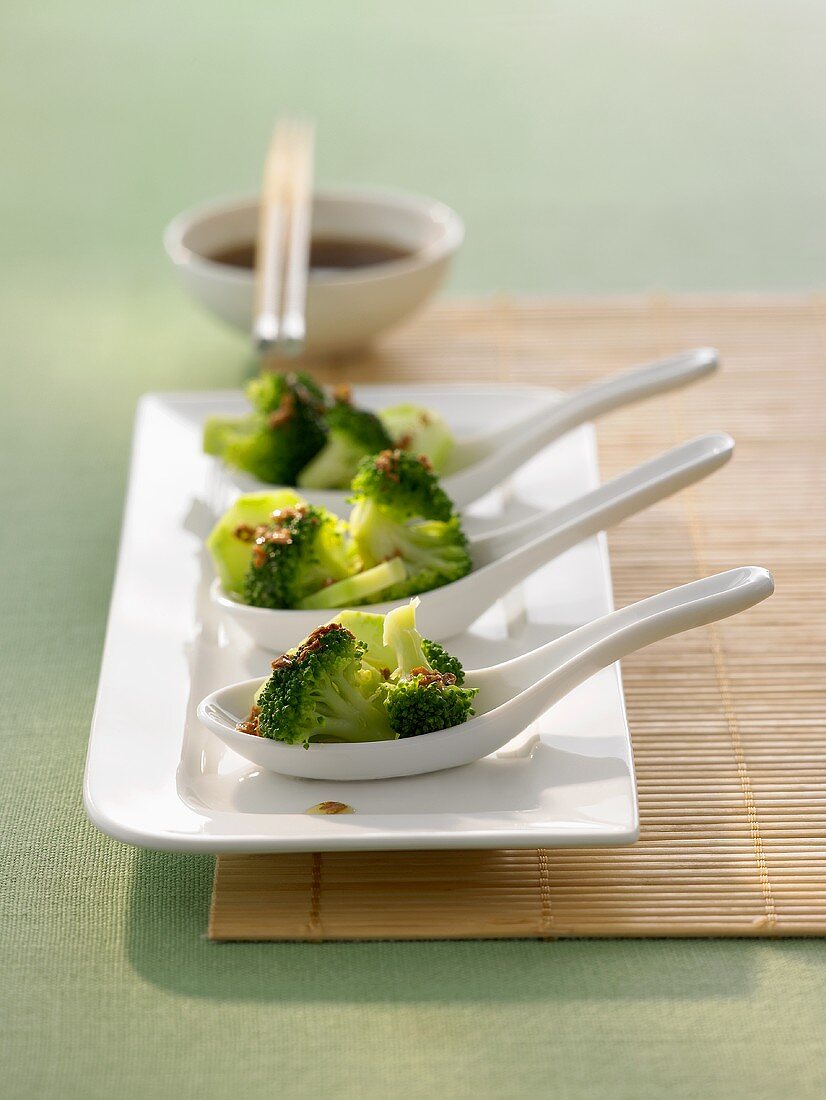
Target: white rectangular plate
(156,777)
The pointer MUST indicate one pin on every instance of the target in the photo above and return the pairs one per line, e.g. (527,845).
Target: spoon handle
(550,533)
(582,652)
(493,459)
(603,507)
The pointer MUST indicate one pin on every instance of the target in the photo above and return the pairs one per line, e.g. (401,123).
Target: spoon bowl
(512,695)
(504,557)
(480,463)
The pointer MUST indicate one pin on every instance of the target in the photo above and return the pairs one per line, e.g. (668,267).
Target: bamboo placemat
(728,723)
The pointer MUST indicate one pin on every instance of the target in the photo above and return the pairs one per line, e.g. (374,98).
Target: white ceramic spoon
(512,695)
(498,566)
(478,464)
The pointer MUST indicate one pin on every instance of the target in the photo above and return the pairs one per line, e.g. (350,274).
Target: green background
(612,146)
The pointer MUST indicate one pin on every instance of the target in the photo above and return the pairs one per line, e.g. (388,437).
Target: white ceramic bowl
(347,309)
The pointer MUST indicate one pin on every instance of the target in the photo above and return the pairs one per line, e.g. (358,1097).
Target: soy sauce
(327,254)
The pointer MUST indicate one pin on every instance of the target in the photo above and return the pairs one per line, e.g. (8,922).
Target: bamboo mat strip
(728,723)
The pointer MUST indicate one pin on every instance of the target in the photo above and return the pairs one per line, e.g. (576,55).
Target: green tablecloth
(619,146)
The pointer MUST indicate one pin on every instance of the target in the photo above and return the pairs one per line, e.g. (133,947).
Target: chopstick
(272,232)
(283,254)
(293,321)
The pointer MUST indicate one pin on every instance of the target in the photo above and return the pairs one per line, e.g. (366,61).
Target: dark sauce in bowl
(327,254)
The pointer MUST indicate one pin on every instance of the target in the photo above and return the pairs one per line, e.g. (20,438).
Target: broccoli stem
(356,589)
(332,467)
(401,635)
(353,717)
(376,537)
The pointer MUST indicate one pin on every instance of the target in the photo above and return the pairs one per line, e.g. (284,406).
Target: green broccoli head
(426,701)
(284,433)
(403,485)
(353,434)
(361,425)
(297,552)
(401,511)
(322,691)
(267,392)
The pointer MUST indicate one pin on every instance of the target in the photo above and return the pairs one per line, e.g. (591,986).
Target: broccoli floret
(403,484)
(322,691)
(401,511)
(353,433)
(441,661)
(331,689)
(232,555)
(420,698)
(419,430)
(273,456)
(297,552)
(426,701)
(433,553)
(283,434)
(266,392)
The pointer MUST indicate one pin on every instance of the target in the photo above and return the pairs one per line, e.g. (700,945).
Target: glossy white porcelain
(345,310)
(511,695)
(504,557)
(156,777)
